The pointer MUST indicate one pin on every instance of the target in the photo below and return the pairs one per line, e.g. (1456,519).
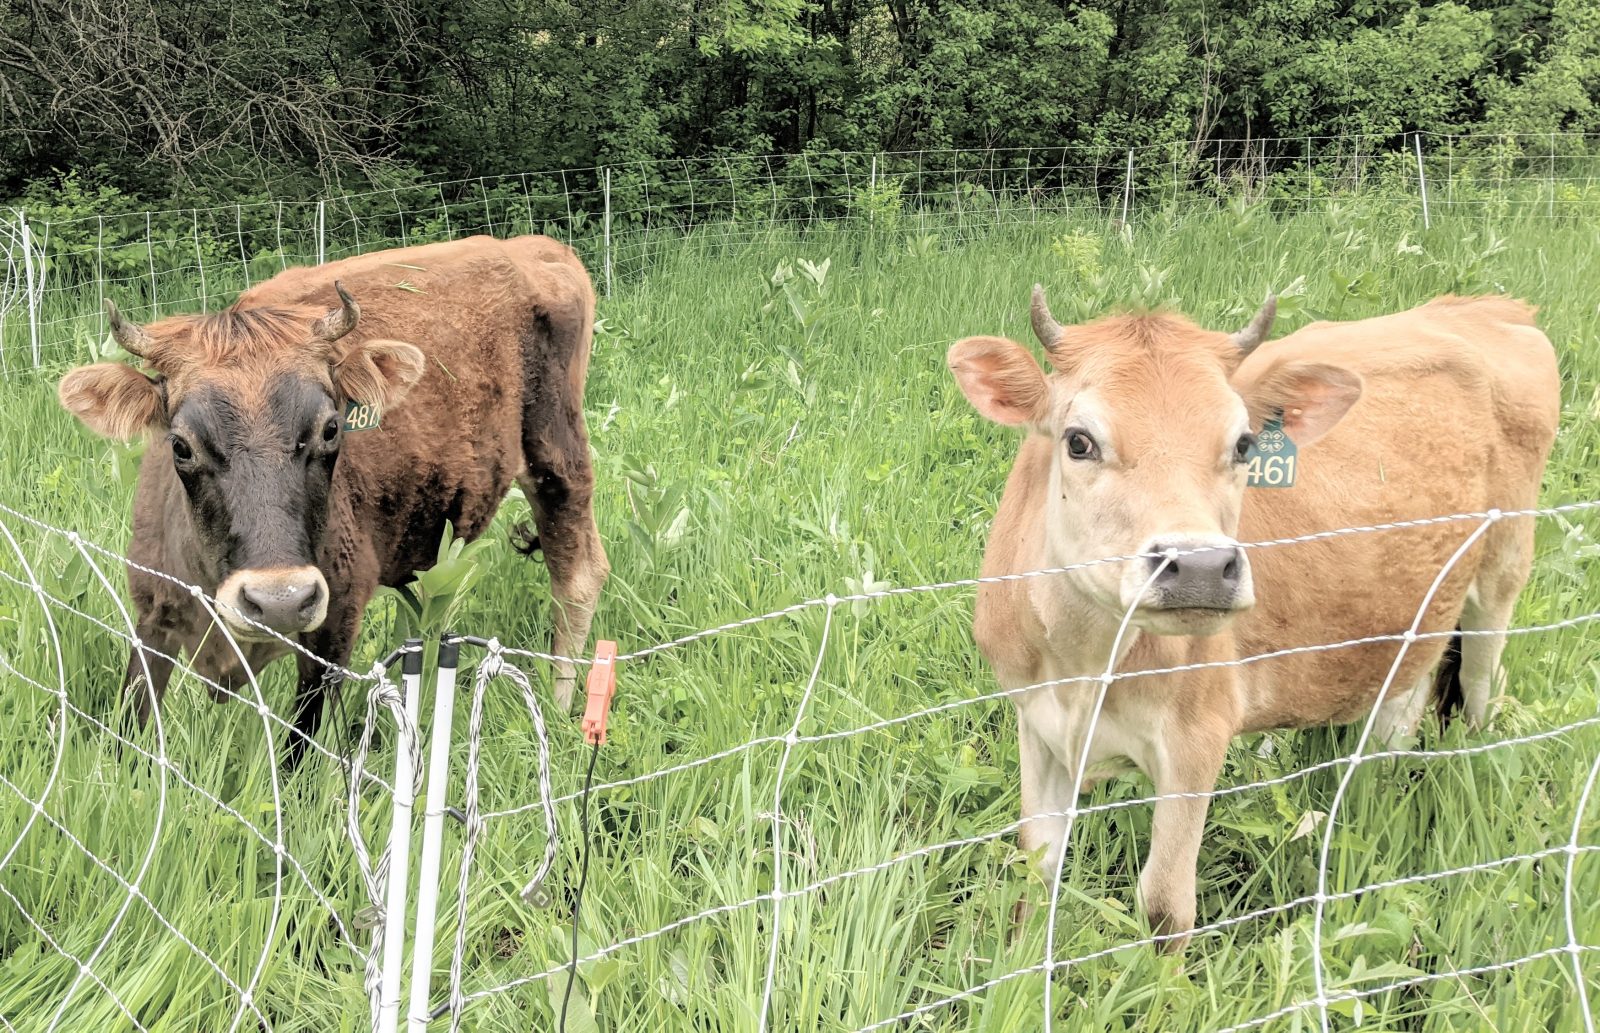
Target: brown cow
(474,353)
(1138,444)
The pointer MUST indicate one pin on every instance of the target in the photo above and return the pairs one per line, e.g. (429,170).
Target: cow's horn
(130,337)
(1251,337)
(339,321)
(1045,326)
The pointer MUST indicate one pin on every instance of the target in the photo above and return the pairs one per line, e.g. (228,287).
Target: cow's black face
(248,400)
(256,462)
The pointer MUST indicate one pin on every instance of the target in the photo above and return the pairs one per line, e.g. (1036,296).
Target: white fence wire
(60,634)
(58,267)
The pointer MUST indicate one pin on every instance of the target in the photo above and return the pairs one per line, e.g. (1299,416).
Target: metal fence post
(30,284)
(608,230)
(1127,187)
(444,703)
(1422,181)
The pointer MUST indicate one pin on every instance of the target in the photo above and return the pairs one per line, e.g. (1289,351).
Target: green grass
(757,447)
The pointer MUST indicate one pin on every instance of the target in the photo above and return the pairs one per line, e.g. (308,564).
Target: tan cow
(1137,444)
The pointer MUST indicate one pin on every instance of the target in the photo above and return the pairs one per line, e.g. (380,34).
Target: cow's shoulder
(1006,625)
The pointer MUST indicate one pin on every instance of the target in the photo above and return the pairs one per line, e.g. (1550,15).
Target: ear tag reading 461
(360,416)
(1273,457)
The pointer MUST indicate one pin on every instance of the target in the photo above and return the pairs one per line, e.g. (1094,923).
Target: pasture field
(760,443)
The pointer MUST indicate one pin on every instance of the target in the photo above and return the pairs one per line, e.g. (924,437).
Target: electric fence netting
(774,791)
(498,857)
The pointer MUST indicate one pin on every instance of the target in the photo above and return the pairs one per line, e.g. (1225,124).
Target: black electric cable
(583,882)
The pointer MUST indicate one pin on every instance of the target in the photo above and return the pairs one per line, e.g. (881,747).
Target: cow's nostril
(1231,571)
(249,605)
(310,598)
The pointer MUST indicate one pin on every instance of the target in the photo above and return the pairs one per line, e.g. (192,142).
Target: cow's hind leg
(1487,613)
(559,483)
(560,489)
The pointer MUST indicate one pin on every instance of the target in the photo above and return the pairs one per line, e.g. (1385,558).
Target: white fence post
(1127,187)
(150,257)
(30,283)
(1422,181)
(444,708)
(322,233)
(1552,174)
(394,912)
(608,230)
(872,192)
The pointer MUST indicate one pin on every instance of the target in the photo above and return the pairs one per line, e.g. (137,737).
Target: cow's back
(1459,407)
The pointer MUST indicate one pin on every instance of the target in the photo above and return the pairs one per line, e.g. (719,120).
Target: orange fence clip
(601,687)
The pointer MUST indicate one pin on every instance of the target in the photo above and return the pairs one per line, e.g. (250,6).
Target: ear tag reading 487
(1273,458)
(360,416)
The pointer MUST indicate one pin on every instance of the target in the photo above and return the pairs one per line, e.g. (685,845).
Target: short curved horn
(339,321)
(1252,336)
(1045,326)
(130,337)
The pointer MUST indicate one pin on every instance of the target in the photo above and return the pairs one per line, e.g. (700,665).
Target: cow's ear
(1001,380)
(1312,397)
(378,372)
(114,400)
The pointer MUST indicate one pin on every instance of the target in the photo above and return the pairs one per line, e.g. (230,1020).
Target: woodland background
(117,104)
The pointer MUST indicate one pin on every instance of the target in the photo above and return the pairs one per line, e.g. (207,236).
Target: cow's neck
(1078,633)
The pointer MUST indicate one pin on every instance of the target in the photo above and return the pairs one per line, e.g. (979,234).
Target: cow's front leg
(1183,761)
(1052,724)
(1046,795)
(144,684)
(331,645)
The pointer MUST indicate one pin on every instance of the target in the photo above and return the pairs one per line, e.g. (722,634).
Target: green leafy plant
(660,515)
(428,605)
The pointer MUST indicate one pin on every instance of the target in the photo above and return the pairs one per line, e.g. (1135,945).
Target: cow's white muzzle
(282,600)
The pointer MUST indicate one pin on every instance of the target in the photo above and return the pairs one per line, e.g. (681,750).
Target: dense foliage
(209,100)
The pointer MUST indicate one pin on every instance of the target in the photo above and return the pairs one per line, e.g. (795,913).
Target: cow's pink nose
(285,608)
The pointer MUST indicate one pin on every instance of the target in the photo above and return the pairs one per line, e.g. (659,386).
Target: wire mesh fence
(171,877)
(60,266)
(132,823)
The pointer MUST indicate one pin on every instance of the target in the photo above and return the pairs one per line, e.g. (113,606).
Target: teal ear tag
(1273,457)
(360,416)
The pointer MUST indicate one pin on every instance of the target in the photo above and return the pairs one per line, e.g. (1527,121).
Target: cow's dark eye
(1080,445)
(1242,447)
(330,431)
(181,452)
